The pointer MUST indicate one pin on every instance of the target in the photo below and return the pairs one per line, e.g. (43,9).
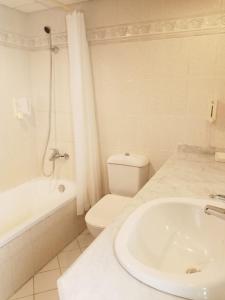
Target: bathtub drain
(61,188)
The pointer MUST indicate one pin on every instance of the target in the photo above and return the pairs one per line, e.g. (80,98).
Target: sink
(170,244)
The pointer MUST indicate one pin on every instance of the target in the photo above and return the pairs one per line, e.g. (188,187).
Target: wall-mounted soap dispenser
(212,111)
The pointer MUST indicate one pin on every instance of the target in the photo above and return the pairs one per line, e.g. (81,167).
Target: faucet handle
(66,156)
(56,155)
(55,152)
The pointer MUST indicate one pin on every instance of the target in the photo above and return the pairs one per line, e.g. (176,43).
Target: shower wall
(61,137)
(24,72)
(18,158)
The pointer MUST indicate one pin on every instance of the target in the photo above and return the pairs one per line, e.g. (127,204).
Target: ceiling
(29,6)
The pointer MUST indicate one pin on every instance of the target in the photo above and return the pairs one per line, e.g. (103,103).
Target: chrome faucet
(217,196)
(56,154)
(215,211)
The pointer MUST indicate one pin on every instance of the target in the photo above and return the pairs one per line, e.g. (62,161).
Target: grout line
(79,246)
(47,271)
(51,289)
(32,278)
(23,297)
(55,269)
(78,239)
(33,286)
(45,292)
(60,269)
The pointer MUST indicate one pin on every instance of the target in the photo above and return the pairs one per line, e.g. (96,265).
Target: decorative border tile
(201,25)
(159,29)
(42,42)
(15,40)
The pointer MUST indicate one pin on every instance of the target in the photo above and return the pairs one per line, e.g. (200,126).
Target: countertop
(96,274)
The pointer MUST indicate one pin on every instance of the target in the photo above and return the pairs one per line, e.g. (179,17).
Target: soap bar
(220,157)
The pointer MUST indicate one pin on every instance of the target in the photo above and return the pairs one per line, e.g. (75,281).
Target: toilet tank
(127,173)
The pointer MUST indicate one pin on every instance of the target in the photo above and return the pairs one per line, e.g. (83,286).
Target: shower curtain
(87,156)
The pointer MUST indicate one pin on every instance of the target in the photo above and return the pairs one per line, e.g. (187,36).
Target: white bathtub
(36,222)
(29,203)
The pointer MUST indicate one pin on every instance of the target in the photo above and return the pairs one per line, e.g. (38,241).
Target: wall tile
(202,54)
(16,134)
(200,93)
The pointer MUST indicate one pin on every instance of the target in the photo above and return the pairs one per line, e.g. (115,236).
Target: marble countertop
(96,274)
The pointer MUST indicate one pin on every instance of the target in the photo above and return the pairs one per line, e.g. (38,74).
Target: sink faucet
(56,154)
(215,211)
(217,196)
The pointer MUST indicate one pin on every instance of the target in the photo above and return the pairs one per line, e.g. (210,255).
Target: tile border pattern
(160,29)
(171,28)
(15,40)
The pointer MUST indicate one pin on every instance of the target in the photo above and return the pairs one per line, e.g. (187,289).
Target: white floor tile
(85,239)
(50,295)
(67,258)
(52,265)
(26,290)
(46,281)
(72,246)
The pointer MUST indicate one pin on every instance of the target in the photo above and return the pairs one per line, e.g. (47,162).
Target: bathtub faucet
(56,154)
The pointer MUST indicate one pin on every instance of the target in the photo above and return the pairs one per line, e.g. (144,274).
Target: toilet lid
(106,210)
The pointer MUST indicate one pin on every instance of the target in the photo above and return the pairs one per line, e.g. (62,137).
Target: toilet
(127,173)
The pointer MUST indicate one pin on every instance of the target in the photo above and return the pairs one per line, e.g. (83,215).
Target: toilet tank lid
(127,159)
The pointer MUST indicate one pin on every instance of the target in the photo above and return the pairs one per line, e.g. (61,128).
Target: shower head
(47,29)
(53,49)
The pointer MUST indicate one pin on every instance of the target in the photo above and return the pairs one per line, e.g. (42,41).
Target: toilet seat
(106,210)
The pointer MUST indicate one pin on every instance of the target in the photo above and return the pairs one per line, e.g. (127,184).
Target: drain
(192,270)
(61,188)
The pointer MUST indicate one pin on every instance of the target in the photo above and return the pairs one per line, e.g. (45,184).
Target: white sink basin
(172,245)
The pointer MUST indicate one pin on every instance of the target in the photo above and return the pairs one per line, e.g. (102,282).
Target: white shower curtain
(87,156)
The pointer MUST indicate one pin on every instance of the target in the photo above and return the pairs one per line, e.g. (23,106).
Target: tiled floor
(43,285)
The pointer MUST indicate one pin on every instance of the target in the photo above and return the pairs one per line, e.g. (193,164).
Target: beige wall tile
(151,113)
(202,55)
(16,134)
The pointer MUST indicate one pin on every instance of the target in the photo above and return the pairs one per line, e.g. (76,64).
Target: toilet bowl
(127,173)
(104,212)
